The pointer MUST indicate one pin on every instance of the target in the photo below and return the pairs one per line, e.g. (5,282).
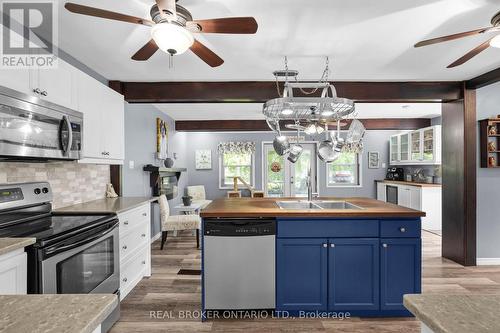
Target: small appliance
(395,174)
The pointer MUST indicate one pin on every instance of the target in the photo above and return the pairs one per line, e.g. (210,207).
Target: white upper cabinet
(422,146)
(103,122)
(57,85)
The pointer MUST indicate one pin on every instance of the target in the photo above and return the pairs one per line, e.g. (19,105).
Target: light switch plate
(131,164)
(383,165)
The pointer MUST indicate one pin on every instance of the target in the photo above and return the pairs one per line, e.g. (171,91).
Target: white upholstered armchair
(198,194)
(177,222)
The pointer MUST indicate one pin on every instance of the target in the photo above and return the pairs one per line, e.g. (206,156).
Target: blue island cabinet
(351,265)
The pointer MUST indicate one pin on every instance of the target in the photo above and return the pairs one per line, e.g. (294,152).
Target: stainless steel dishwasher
(239,263)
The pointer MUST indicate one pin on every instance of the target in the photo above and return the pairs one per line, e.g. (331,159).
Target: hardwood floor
(158,303)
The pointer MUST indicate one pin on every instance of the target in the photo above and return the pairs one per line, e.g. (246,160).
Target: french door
(285,179)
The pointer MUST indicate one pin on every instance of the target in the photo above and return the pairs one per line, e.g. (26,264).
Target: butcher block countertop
(267,207)
(401,182)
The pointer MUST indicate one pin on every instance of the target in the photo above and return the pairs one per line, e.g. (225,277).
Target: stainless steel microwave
(34,129)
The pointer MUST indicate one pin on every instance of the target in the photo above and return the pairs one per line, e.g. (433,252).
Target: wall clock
(203,159)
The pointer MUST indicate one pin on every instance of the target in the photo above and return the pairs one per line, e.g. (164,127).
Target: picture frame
(203,159)
(373,160)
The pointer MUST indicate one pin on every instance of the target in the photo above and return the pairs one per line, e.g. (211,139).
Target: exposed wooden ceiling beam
(484,79)
(261,91)
(260,125)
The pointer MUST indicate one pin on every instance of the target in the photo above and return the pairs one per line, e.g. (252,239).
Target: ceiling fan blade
(471,54)
(205,54)
(146,51)
(451,37)
(96,12)
(228,25)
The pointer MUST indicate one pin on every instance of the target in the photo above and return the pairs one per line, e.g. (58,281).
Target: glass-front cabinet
(421,146)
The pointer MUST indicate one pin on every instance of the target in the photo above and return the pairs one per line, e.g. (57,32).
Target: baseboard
(487,261)
(156,237)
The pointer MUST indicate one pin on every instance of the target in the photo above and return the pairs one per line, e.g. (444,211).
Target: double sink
(316,204)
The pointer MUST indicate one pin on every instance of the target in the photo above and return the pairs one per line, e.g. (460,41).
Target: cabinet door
(13,275)
(90,104)
(113,120)
(416,146)
(394,149)
(17,78)
(403,196)
(353,274)
(301,274)
(400,264)
(428,138)
(404,147)
(415,197)
(57,84)
(381,192)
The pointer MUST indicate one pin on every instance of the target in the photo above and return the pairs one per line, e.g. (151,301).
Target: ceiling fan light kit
(171,38)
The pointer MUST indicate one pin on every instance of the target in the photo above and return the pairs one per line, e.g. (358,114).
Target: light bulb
(327,113)
(171,38)
(310,130)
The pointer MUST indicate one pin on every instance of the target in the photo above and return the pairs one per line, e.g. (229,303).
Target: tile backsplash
(71,182)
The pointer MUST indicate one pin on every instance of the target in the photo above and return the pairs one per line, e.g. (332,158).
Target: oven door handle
(57,249)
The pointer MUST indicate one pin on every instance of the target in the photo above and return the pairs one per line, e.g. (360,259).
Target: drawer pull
(332,245)
(144,214)
(325,245)
(144,262)
(124,280)
(124,247)
(125,222)
(402,229)
(143,235)
(384,245)
(44,93)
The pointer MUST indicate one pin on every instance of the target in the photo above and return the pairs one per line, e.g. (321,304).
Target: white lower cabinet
(135,247)
(424,198)
(13,273)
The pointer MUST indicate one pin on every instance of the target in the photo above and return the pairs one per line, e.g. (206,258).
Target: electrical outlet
(384,165)
(131,164)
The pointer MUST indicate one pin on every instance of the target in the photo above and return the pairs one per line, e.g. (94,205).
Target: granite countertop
(402,182)
(267,207)
(456,313)
(107,205)
(54,313)
(10,244)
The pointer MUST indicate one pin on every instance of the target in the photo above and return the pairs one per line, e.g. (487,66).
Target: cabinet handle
(144,214)
(36,91)
(44,93)
(402,229)
(125,222)
(384,245)
(144,262)
(325,245)
(332,245)
(143,235)
(124,280)
(124,247)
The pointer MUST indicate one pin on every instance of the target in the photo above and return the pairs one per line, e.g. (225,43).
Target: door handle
(44,93)
(384,245)
(332,245)
(37,91)
(325,245)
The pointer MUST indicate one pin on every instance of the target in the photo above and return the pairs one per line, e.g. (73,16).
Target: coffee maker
(395,174)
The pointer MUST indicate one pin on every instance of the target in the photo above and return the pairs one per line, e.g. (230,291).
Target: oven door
(33,128)
(86,263)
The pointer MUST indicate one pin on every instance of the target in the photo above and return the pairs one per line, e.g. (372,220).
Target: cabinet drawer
(400,228)
(133,240)
(132,271)
(327,228)
(130,219)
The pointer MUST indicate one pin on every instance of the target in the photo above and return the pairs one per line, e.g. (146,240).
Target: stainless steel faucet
(309,186)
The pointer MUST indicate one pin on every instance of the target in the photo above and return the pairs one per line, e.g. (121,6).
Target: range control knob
(37,191)
(45,190)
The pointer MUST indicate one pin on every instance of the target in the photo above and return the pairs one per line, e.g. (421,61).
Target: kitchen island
(331,255)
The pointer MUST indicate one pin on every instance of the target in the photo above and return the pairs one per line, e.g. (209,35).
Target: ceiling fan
(172,28)
(493,41)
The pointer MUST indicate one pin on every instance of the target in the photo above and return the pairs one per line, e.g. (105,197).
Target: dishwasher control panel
(239,227)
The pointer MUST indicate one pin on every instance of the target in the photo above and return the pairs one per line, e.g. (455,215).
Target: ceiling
(366,40)
(248,111)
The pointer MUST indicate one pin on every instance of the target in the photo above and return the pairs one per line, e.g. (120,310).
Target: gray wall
(488,183)
(374,141)
(140,147)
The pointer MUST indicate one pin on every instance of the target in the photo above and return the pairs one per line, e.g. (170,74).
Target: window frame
(351,185)
(222,176)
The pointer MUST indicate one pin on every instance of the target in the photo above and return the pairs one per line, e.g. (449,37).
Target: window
(233,164)
(344,171)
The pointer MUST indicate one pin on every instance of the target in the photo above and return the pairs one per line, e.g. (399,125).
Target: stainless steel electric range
(73,254)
